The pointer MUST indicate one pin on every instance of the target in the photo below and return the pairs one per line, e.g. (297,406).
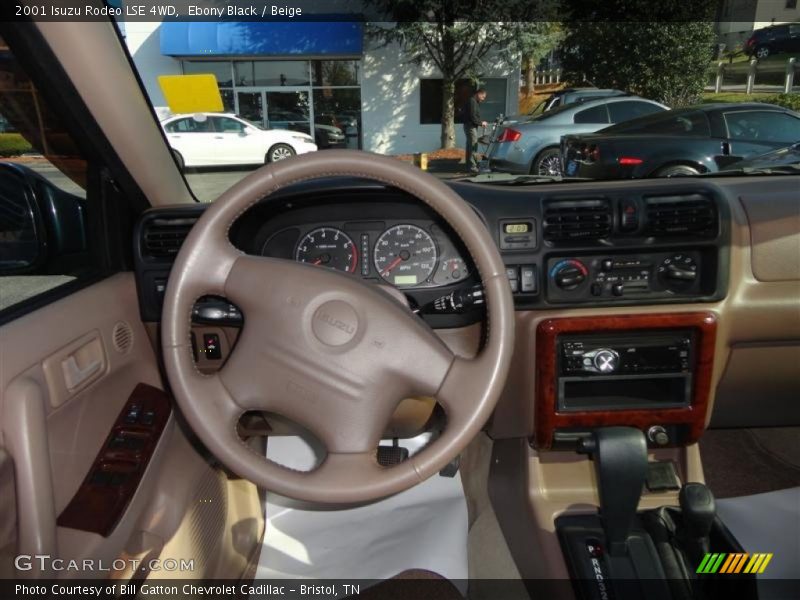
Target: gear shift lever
(698,510)
(620,462)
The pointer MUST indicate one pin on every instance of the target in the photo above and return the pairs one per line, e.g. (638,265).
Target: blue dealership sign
(231,38)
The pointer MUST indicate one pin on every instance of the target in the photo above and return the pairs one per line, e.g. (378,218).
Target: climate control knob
(606,360)
(569,274)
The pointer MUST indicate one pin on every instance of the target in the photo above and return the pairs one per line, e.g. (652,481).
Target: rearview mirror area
(42,228)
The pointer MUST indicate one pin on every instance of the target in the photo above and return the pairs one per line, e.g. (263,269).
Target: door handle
(75,375)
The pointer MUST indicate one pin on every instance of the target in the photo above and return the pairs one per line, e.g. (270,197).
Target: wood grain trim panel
(112,481)
(548,419)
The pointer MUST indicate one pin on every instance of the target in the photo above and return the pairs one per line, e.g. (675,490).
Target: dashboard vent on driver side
(162,237)
(685,215)
(588,219)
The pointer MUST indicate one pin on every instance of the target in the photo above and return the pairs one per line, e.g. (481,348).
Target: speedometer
(405,255)
(328,247)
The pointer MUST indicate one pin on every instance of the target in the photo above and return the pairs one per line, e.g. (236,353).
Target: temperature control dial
(678,272)
(569,274)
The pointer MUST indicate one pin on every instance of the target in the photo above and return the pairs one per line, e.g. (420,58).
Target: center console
(650,371)
(627,392)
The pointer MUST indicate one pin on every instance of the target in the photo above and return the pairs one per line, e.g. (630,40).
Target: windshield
(379,80)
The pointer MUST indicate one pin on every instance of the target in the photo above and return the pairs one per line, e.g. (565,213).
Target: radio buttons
(605,360)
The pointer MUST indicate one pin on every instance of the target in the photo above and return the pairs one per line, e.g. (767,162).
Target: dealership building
(313,75)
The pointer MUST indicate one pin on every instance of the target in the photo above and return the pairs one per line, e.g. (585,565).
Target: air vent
(162,238)
(122,337)
(685,215)
(588,219)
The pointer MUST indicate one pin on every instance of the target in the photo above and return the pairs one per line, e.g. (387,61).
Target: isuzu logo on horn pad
(335,323)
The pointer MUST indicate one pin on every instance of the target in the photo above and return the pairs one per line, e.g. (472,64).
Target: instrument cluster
(408,254)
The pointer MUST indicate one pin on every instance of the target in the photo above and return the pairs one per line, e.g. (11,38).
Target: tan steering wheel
(327,350)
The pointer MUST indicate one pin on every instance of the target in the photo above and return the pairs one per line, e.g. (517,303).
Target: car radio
(636,355)
(622,371)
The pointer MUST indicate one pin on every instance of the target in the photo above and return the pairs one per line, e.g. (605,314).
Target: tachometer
(328,247)
(405,255)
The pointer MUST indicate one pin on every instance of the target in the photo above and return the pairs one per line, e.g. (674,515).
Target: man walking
(472,120)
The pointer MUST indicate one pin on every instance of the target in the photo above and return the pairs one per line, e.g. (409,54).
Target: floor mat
(422,528)
(742,462)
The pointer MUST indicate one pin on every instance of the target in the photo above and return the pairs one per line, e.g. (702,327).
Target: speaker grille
(122,337)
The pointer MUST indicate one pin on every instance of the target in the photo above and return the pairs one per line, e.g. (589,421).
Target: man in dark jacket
(472,120)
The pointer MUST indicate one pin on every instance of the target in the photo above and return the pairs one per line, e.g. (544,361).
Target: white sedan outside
(213,139)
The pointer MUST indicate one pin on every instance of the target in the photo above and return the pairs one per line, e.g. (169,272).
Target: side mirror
(22,231)
(42,228)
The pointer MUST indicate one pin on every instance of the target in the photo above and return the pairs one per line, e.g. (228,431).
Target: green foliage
(790,101)
(13,144)
(664,61)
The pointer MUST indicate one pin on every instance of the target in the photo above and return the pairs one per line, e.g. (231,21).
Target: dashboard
(563,247)
(613,259)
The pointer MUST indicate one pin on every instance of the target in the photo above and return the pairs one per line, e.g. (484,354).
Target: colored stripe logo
(734,563)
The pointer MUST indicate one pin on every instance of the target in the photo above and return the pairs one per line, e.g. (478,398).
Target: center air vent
(588,219)
(684,215)
(162,238)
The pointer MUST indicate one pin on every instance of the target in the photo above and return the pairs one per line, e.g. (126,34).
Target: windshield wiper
(509,179)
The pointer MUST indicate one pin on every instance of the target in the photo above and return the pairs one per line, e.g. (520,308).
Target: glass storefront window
(431,99)
(227,101)
(341,109)
(243,72)
(281,73)
(220,69)
(271,73)
(335,72)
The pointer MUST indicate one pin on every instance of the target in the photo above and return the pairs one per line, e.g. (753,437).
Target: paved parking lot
(207,184)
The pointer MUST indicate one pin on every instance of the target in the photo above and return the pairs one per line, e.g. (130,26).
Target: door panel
(52,433)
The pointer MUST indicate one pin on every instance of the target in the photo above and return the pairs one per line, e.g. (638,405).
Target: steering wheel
(331,352)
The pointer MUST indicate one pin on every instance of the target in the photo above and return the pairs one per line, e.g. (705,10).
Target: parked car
(326,135)
(328,131)
(700,139)
(208,139)
(533,147)
(562,98)
(775,39)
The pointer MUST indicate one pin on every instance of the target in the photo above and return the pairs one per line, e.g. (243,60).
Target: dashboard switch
(618,289)
(528,279)
(629,216)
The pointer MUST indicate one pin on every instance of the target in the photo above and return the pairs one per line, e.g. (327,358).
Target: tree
(456,36)
(535,42)
(658,54)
